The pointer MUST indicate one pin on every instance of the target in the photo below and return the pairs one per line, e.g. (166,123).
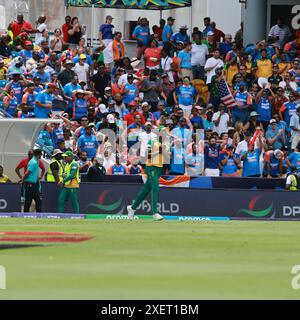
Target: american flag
(225,94)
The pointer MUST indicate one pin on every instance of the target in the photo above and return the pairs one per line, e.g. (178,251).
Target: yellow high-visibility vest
(50,176)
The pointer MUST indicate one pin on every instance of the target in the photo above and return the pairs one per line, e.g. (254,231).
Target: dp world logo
(106,207)
(252,209)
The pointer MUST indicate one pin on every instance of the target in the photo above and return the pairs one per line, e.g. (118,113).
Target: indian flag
(172,181)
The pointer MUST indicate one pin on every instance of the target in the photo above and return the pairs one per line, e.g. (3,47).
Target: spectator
(75,32)
(130,90)
(251,160)
(199,55)
(212,64)
(273,167)
(180,37)
(96,172)
(178,156)
(67,75)
(218,33)
(142,35)
(168,32)
(275,78)
(208,27)
(83,162)
(196,119)
(185,62)
(133,131)
(275,137)
(280,33)
(3,178)
(166,64)
(88,142)
(194,162)
(185,96)
(19,26)
(134,168)
(65,28)
(229,162)
(244,101)
(151,87)
(211,158)
(100,81)
(263,65)
(43,104)
(118,48)
(106,33)
(152,56)
(82,69)
(221,120)
(295,128)
(11,103)
(118,168)
(264,108)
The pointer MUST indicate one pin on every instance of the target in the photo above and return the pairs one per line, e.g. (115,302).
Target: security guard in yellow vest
(70,184)
(292,180)
(56,168)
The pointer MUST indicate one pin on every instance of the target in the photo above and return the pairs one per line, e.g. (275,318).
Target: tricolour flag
(225,94)
(172,181)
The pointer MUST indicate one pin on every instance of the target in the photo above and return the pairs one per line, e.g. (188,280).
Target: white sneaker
(130,212)
(157,217)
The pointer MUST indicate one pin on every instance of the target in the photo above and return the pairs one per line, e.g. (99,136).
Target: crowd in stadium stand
(228,108)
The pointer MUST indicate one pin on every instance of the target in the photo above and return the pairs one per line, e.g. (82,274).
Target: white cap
(102,108)
(111,118)
(99,159)
(278,154)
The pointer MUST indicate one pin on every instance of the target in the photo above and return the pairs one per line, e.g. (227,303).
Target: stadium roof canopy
(130,4)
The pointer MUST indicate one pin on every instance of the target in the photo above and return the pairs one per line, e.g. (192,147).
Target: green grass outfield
(148,260)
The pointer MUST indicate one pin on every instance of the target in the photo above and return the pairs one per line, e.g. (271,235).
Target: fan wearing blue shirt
(264,107)
(208,27)
(130,90)
(141,34)
(168,31)
(196,119)
(177,166)
(251,165)
(180,37)
(69,89)
(43,103)
(229,162)
(187,95)
(185,57)
(88,143)
(293,159)
(57,135)
(106,31)
(211,158)
(42,74)
(289,109)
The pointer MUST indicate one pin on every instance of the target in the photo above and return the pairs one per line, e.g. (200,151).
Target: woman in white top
(56,43)
(166,64)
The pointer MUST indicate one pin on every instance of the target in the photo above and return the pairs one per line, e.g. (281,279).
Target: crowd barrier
(112,199)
